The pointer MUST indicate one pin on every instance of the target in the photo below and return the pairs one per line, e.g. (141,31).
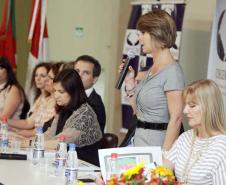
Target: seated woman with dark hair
(13,102)
(75,118)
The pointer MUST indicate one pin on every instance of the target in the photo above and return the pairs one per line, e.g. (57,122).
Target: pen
(86,180)
(88,170)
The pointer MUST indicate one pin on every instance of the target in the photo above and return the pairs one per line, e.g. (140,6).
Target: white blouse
(3,95)
(199,161)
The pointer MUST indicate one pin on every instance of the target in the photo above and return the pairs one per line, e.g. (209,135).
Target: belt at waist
(152,126)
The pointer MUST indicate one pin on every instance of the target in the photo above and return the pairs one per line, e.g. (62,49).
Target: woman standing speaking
(158,98)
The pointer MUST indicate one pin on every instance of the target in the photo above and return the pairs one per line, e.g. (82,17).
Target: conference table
(23,172)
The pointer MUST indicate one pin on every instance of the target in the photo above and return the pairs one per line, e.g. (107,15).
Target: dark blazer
(96,103)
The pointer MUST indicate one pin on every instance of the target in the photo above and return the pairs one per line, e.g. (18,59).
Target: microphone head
(131,54)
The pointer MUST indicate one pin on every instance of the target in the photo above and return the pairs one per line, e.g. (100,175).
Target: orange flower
(159,176)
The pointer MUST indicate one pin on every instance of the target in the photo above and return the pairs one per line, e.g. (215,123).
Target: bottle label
(4,145)
(60,162)
(38,154)
(5,141)
(71,175)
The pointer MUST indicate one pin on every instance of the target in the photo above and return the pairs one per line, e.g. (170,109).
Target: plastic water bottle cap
(72,146)
(62,137)
(4,119)
(39,130)
(114,155)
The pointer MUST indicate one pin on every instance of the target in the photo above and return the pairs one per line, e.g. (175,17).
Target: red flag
(38,36)
(8,33)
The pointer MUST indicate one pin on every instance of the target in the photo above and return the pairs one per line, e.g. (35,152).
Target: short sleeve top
(150,94)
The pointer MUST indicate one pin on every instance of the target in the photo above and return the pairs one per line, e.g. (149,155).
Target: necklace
(193,155)
(150,73)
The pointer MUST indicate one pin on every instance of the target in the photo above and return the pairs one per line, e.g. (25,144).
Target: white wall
(96,17)
(196,36)
(102,22)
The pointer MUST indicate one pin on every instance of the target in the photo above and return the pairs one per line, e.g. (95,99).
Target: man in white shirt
(89,70)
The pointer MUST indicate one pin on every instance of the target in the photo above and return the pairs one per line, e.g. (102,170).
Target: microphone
(122,75)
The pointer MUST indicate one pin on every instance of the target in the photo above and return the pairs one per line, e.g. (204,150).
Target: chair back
(109,140)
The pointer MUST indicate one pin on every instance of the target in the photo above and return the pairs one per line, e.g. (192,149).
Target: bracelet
(164,153)
(130,95)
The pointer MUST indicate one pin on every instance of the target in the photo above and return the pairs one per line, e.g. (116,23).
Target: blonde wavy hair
(208,95)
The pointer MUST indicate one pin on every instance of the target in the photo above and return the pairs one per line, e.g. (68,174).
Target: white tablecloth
(15,172)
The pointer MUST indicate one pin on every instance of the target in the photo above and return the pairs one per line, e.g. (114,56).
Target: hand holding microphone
(124,69)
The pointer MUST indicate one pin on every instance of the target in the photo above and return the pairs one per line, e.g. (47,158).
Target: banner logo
(221,38)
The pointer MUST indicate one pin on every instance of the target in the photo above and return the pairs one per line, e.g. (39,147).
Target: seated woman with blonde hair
(199,155)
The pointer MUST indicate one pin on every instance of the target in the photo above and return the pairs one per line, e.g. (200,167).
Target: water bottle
(4,135)
(38,150)
(61,156)
(71,170)
(114,169)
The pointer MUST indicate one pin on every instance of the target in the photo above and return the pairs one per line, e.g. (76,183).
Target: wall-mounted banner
(131,42)
(217,58)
